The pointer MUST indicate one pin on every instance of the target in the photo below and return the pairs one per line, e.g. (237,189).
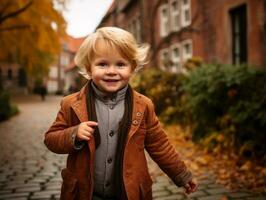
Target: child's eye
(121,64)
(102,64)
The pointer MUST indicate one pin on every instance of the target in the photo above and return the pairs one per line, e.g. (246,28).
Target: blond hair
(112,37)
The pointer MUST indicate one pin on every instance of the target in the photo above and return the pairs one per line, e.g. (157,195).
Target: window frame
(186,56)
(162,58)
(175,14)
(177,61)
(164,20)
(185,8)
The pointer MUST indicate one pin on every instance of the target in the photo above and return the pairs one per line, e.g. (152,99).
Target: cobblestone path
(29,171)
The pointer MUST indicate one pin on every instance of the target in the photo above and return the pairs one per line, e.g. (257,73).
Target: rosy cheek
(96,75)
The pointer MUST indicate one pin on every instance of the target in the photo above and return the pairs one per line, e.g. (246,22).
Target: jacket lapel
(137,114)
(80,108)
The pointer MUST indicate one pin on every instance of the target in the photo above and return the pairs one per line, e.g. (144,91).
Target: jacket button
(138,114)
(111,107)
(135,122)
(110,160)
(111,134)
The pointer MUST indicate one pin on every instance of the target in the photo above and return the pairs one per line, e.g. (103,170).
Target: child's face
(109,70)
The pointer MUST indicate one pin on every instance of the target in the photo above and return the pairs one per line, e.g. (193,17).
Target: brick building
(63,73)
(221,31)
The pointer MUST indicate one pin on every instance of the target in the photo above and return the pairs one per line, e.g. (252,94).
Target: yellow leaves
(40,36)
(203,160)
(193,166)
(263,171)
(227,167)
(193,63)
(245,167)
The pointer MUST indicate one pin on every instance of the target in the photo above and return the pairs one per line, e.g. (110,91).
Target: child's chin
(111,89)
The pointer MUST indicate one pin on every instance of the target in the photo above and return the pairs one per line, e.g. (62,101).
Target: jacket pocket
(69,187)
(146,190)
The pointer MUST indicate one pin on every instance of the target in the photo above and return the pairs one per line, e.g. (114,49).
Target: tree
(30,32)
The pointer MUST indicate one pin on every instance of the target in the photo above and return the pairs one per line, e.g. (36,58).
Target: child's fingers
(87,133)
(187,188)
(91,123)
(88,129)
(193,185)
(84,137)
(190,187)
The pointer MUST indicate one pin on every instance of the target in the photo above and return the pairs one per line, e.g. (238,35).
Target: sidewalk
(28,171)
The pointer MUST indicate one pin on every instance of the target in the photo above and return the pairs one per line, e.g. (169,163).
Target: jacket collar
(80,108)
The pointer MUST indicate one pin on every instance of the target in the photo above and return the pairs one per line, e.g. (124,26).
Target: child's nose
(111,69)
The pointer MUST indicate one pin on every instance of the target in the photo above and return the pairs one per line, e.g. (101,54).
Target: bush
(229,100)
(224,105)
(164,90)
(6,109)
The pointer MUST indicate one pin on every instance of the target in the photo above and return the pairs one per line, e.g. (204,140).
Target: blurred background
(206,76)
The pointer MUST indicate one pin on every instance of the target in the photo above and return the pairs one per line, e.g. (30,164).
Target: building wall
(210,30)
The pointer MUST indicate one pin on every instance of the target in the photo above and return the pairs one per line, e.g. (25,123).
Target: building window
(180,52)
(164,18)
(175,15)
(64,59)
(239,34)
(135,28)
(186,50)
(65,46)
(185,13)
(176,58)
(164,58)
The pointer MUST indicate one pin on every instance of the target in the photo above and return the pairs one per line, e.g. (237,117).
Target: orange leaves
(246,166)
(24,46)
(228,169)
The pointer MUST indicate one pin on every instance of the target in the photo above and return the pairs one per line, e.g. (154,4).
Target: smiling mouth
(110,80)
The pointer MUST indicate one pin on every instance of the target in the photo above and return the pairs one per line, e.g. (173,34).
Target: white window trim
(175,14)
(176,60)
(186,56)
(164,21)
(162,52)
(183,10)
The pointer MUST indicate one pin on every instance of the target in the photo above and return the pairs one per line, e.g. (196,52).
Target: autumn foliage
(223,107)
(29,33)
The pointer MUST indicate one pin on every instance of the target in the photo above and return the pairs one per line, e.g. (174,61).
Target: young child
(106,126)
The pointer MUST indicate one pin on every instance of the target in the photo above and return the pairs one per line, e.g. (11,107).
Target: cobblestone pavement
(29,171)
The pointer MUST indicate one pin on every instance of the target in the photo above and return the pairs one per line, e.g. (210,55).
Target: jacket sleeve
(162,151)
(60,137)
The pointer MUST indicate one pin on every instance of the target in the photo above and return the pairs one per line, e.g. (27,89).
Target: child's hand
(85,130)
(190,187)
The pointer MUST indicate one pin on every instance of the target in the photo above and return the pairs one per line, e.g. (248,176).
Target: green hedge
(6,109)
(229,100)
(225,104)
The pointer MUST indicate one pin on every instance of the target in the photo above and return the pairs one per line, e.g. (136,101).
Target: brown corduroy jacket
(145,133)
